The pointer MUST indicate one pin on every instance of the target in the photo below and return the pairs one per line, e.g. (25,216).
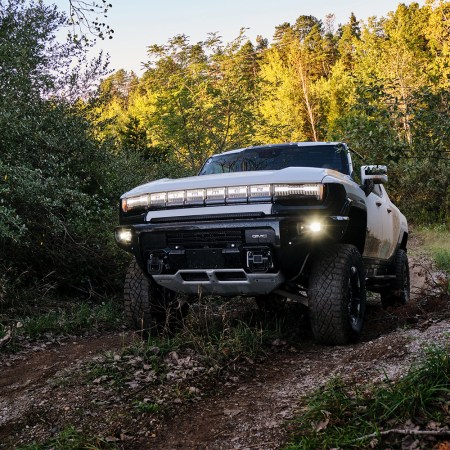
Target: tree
(200,97)
(437,33)
(59,185)
(301,56)
(349,34)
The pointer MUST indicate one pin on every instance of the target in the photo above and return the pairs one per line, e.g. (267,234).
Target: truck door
(391,224)
(377,240)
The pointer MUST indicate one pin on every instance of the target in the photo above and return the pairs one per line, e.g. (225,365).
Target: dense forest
(73,137)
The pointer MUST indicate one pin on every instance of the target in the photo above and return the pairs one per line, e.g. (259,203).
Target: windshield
(279,157)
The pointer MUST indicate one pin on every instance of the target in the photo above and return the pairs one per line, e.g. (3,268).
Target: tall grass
(350,416)
(436,242)
(218,333)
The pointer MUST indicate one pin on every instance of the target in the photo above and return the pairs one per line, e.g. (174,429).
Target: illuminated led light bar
(139,202)
(158,199)
(222,195)
(195,196)
(175,198)
(237,194)
(298,190)
(215,195)
(260,191)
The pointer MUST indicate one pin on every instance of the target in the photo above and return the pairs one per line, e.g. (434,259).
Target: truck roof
(286,144)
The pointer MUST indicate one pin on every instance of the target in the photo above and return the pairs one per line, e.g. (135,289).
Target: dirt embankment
(44,390)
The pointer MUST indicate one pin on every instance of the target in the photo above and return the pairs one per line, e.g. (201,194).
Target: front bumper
(225,282)
(232,256)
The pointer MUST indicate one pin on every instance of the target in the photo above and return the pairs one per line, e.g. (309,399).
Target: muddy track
(43,390)
(254,414)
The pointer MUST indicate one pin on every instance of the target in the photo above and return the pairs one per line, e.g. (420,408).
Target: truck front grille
(202,239)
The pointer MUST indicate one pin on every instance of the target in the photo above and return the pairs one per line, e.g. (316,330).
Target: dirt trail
(26,375)
(244,413)
(44,362)
(254,414)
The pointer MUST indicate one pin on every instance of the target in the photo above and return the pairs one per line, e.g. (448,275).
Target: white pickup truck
(274,222)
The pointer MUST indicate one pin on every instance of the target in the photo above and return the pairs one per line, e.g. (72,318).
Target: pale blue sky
(140,23)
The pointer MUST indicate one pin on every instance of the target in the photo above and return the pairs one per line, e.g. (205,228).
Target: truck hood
(288,175)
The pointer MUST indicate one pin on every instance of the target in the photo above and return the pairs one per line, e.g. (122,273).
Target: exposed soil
(53,385)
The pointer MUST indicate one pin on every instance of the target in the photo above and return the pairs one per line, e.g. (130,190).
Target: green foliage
(348,416)
(33,323)
(193,100)
(149,408)
(437,240)
(80,317)
(70,439)
(442,258)
(58,185)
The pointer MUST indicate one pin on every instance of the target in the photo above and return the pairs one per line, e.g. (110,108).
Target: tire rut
(254,414)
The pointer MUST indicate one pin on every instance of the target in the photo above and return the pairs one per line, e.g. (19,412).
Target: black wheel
(399,292)
(337,295)
(149,307)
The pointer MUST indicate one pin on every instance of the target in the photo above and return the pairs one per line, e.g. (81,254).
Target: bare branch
(404,432)
(83,24)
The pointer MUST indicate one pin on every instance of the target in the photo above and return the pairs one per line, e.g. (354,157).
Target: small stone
(193,390)
(232,412)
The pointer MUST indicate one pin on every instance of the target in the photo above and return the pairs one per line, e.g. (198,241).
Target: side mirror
(377,174)
(371,175)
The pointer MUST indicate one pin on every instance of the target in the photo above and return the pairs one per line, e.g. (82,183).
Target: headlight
(315,227)
(298,190)
(139,202)
(123,236)
(221,195)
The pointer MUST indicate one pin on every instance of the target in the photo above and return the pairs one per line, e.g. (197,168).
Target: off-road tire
(400,291)
(150,308)
(337,295)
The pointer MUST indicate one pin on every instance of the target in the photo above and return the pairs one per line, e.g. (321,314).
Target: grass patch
(148,408)
(442,259)
(221,340)
(213,337)
(70,318)
(71,439)
(217,332)
(350,416)
(436,242)
(222,331)
(78,318)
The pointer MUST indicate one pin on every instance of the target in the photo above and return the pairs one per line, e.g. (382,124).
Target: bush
(59,186)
